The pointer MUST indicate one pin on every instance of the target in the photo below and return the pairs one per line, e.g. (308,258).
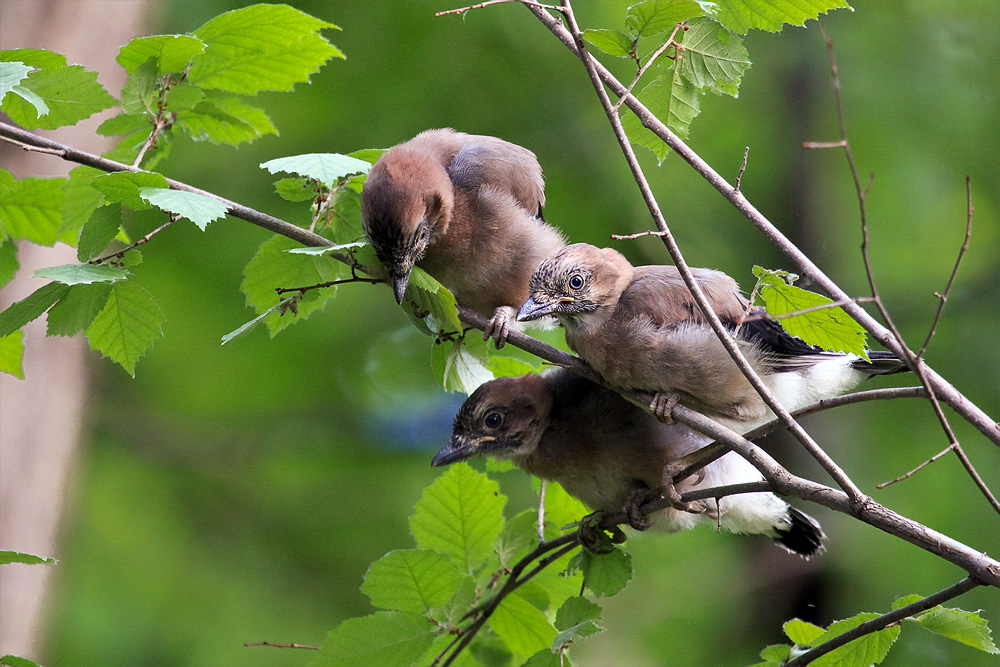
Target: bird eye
(493,420)
(576,281)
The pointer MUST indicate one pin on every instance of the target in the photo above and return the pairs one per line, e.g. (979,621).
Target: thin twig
(743,167)
(811,309)
(629,237)
(652,58)
(144,239)
(274,645)
(530,3)
(885,620)
(958,262)
(355,279)
(828,464)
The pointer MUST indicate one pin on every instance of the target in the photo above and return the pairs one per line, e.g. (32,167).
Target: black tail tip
(801,535)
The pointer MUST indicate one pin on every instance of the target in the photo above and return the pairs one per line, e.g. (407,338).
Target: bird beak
(532,309)
(458,448)
(399,283)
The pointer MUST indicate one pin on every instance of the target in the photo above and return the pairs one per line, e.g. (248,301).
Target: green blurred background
(237,494)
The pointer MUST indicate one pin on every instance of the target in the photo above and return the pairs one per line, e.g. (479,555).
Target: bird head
(578,279)
(504,418)
(406,200)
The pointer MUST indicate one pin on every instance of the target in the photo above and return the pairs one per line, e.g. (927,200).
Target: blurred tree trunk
(41,416)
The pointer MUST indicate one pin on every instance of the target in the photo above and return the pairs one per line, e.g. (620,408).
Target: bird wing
(660,293)
(488,162)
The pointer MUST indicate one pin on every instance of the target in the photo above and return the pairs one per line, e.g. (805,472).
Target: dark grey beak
(457,449)
(532,309)
(399,284)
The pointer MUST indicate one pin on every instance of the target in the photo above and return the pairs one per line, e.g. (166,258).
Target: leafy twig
(652,58)
(355,279)
(144,239)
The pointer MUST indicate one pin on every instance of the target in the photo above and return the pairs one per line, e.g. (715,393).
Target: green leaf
(77,309)
(829,328)
(452,612)
(225,120)
(870,649)
(714,59)
(40,58)
(80,200)
(776,653)
(31,208)
(461,515)
(14,661)
(294,189)
(384,638)
(429,304)
(327,168)
(21,312)
(505,367)
(412,580)
(742,15)
(369,155)
(802,632)
(70,94)
(671,98)
(606,574)
(612,42)
(460,365)
(518,537)
(127,325)
(12,354)
(82,274)
(41,108)
(272,268)
(523,627)
(11,75)
(172,53)
(576,619)
(142,91)
(905,600)
(967,627)
(322,250)
(99,232)
(124,123)
(261,47)
(8,557)
(561,509)
(8,262)
(199,209)
(252,324)
(122,187)
(654,17)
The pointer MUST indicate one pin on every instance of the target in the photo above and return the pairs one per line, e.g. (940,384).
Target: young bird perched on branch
(640,328)
(468,210)
(610,454)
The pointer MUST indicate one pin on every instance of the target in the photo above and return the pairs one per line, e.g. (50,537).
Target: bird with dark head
(640,328)
(611,454)
(467,209)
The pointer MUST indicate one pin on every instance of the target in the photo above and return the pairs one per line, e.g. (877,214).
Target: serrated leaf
(31,208)
(261,47)
(523,627)
(12,354)
(8,262)
(905,600)
(612,42)
(142,90)
(714,59)
(802,632)
(272,268)
(671,98)
(77,309)
(80,200)
(225,121)
(504,367)
(967,627)
(429,304)
(776,653)
(369,155)
(384,638)
(30,307)
(82,274)
(546,658)
(606,574)
(11,76)
(98,232)
(40,58)
(828,328)
(577,610)
(294,189)
(8,557)
(518,537)
(654,17)
(172,53)
(741,16)
(127,325)
(327,168)
(124,123)
(460,365)
(70,94)
(870,649)
(199,209)
(561,509)
(122,187)
(461,515)
(412,580)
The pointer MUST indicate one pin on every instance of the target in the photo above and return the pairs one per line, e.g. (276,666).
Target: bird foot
(597,539)
(662,405)
(498,327)
(669,491)
(636,519)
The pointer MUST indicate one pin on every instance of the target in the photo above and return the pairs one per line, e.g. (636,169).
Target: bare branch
(274,645)
(743,168)
(530,3)
(121,253)
(629,237)
(885,620)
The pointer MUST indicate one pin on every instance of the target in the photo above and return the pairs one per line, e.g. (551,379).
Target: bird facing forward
(467,209)
(611,454)
(640,328)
